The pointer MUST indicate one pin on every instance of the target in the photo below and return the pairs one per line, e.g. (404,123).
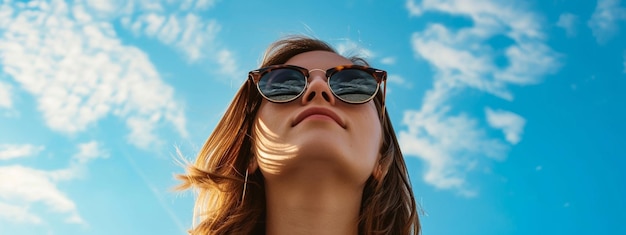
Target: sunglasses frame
(380,76)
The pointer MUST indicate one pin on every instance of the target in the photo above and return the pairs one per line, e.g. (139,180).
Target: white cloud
(350,48)
(511,124)
(110,7)
(26,187)
(104,10)
(568,22)
(18,214)
(89,151)
(154,22)
(397,79)
(78,164)
(6,100)
(388,60)
(11,151)
(168,34)
(78,83)
(140,131)
(199,4)
(452,144)
(197,35)
(29,186)
(413,8)
(186,31)
(605,19)
(466,59)
(227,63)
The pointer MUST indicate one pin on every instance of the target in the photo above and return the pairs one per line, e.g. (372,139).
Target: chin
(321,147)
(330,155)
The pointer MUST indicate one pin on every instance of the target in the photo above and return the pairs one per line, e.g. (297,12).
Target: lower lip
(319,117)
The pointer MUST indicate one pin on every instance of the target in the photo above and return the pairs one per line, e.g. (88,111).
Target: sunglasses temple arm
(384,96)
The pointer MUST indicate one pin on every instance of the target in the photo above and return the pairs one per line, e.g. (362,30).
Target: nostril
(326,96)
(310,96)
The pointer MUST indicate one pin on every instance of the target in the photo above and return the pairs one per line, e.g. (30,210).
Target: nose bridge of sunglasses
(321,72)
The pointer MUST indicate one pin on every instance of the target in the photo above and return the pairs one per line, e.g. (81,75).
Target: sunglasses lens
(282,85)
(353,85)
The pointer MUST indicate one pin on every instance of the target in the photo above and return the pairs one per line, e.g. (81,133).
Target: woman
(305,147)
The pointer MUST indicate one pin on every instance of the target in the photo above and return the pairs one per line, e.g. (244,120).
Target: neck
(312,207)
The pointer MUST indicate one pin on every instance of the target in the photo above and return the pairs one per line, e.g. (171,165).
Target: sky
(510,114)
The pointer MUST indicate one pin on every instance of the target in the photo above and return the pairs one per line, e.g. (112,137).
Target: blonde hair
(388,205)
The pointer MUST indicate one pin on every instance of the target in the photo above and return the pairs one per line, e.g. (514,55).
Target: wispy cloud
(605,19)
(397,79)
(349,48)
(31,186)
(89,151)
(95,75)
(228,64)
(452,144)
(189,33)
(568,22)
(388,60)
(511,124)
(6,99)
(18,214)
(185,30)
(197,4)
(434,140)
(24,187)
(413,8)
(78,163)
(12,151)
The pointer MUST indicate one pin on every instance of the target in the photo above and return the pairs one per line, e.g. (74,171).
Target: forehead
(318,60)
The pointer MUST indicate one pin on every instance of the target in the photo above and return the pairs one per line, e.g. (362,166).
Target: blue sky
(510,115)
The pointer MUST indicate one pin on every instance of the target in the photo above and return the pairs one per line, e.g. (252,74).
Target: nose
(317,89)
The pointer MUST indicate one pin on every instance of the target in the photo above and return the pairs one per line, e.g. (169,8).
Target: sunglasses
(352,84)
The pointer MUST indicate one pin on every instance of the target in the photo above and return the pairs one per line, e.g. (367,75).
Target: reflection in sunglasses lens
(353,85)
(282,84)
(349,85)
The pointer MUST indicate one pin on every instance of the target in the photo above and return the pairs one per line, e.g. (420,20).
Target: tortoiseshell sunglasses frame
(380,76)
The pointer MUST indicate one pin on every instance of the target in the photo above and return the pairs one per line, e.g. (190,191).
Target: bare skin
(315,169)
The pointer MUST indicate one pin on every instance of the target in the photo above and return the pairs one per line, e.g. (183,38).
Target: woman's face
(317,133)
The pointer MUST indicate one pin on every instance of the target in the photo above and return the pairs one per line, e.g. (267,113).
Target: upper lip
(318,111)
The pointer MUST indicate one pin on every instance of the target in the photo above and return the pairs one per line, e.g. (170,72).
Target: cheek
(372,125)
(368,136)
(268,145)
(264,128)
(267,121)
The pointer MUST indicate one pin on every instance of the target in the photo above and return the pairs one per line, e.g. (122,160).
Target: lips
(317,111)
